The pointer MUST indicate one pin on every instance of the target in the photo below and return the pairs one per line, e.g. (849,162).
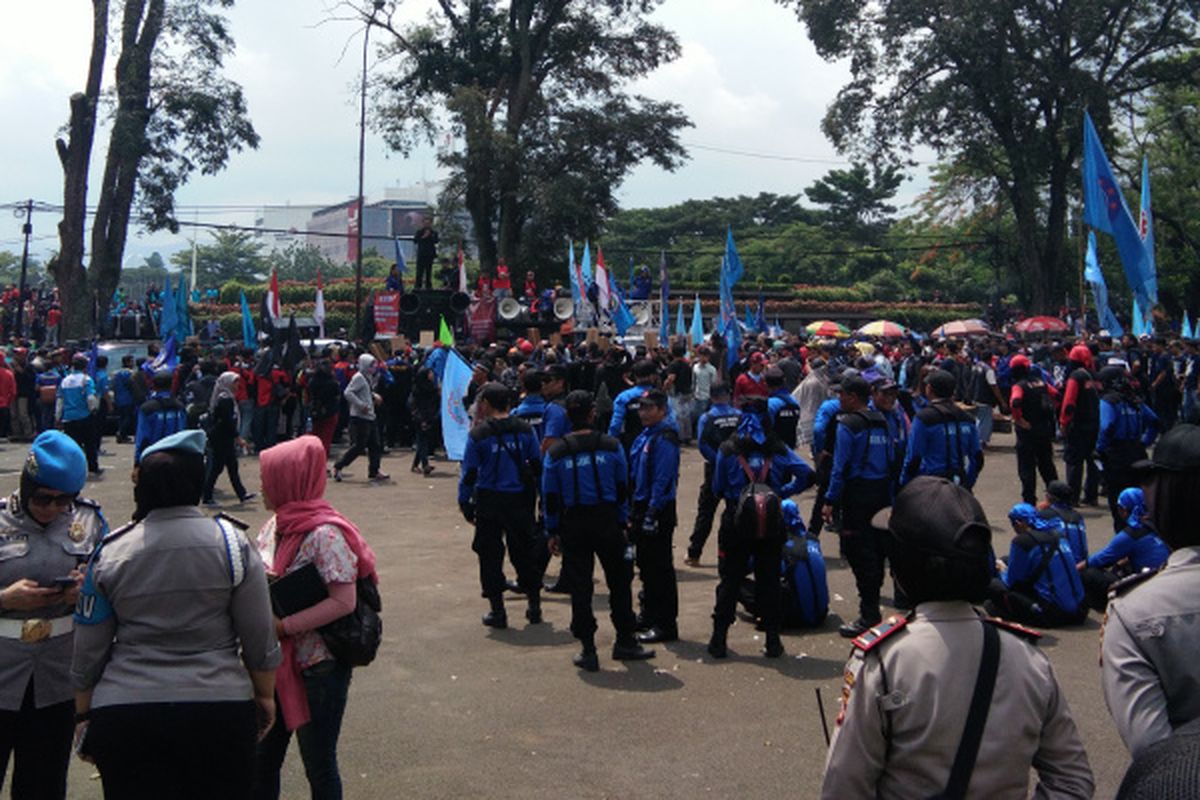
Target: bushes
(231,324)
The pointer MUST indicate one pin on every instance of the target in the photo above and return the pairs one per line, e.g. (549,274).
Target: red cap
(758,358)
(1080,354)
(1019,361)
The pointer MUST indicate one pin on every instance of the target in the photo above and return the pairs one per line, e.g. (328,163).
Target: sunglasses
(46,499)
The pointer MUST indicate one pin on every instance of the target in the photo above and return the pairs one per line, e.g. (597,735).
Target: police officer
(783,408)
(626,423)
(944,440)
(1127,427)
(654,473)
(497,491)
(1148,654)
(47,532)
(1039,584)
(585,489)
(715,426)
(906,727)
(860,483)
(1079,420)
(754,455)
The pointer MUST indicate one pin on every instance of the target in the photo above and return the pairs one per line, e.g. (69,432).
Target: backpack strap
(981,700)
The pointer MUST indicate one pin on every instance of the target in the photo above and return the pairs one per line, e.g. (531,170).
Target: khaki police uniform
(907,691)
(1149,669)
(37,643)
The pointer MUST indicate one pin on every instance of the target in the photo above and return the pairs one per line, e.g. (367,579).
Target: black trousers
(364,436)
(424,274)
(1028,608)
(178,750)
(736,553)
(1096,583)
(864,547)
(40,740)
(500,518)
(706,511)
(222,456)
(81,430)
(1035,454)
(656,563)
(1077,454)
(587,534)
(824,469)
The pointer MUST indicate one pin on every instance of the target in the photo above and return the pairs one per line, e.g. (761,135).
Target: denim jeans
(327,685)
(983,422)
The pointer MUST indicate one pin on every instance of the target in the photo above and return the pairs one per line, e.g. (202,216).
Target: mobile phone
(63,582)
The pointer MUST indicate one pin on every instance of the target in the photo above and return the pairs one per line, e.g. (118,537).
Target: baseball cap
(937,517)
(579,398)
(942,382)
(1178,450)
(856,384)
(1018,361)
(758,358)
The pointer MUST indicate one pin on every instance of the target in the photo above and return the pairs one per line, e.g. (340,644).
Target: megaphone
(642,313)
(410,303)
(564,307)
(460,302)
(508,309)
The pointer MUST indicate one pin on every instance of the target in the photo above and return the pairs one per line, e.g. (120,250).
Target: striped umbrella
(827,328)
(883,329)
(962,327)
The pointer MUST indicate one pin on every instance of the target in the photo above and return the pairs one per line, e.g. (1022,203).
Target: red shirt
(747,386)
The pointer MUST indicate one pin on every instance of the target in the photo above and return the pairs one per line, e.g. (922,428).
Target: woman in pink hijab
(311,685)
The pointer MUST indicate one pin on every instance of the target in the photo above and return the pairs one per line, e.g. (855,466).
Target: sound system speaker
(420,310)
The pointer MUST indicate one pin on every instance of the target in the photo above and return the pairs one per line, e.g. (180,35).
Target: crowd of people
(575,451)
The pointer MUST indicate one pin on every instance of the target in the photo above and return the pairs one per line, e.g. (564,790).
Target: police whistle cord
(821,708)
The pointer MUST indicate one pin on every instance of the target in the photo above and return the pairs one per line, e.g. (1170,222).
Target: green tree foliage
(536,92)
(232,255)
(173,114)
(1000,88)
(856,200)
(300,262)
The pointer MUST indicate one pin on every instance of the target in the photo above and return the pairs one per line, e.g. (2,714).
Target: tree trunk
(140,29)
(75,155)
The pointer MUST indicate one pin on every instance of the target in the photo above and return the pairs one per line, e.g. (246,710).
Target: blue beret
(56,462)
(190,441)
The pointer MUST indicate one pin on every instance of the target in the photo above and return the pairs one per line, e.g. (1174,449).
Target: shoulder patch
(1127,583)
(232,520)
(1028,634)
(884,630)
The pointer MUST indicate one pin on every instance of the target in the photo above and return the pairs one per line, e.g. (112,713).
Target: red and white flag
(602,281)
(273,298)
(319,306)
(462,270)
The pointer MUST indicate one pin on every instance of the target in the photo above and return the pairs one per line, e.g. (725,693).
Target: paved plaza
(453,709)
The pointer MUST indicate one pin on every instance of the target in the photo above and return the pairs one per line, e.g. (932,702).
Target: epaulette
(87,501)
(1123,585)
(871,639)
(121,531)
(232,520)
(1029,634)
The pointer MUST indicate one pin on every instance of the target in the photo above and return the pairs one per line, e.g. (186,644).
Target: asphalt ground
(453,709)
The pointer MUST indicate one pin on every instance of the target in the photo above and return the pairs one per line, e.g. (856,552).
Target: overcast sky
(748,78)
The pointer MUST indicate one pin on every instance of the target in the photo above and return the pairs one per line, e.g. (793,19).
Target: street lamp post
(377,6)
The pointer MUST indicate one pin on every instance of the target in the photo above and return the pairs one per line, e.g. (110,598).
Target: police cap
(1177,451)
(937,517)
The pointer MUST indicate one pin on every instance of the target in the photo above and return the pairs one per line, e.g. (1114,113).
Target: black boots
(716,645)
(497,617)
(627,648)
(587,660)
(774,646)
(534,612)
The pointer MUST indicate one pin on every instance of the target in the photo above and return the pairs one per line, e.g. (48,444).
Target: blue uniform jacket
(826,415)
(1072,527)
(789,474)
(497,453)
(654,466)
(780,401)
(582,470)
(1058,585)
(1146,551)
(944,447)
(719,411)
(861,452)
(616,426)
(1122,421)
(548,420)
(122,384)
(898,425)
(157,420)
(74,391)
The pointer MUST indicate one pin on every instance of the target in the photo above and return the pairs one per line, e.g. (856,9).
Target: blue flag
(664,293)
(1185,330)
(401,264)
(585,267)
(1095,279)
(249,335)
(732,267)
(456,425)
(621,315)
(576,290)
(1104,208)
(697,324)
(1146,229)
(168,322)
(183,316)
(436,361)
(166,358)
(749,320)
(1137,321)
(680,327)
(733,341)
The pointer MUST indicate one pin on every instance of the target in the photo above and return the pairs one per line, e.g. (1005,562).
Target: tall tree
(174,113)
(856,200)
(1000,88)
(230,255)
(537,93)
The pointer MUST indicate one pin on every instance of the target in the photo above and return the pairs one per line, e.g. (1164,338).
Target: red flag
(602,281)
(273,297)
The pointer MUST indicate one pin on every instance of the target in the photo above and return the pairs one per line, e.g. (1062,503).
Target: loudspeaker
(420,310)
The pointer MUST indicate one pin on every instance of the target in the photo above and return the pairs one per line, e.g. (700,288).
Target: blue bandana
(750,427)
(1023,512)
(1133,500)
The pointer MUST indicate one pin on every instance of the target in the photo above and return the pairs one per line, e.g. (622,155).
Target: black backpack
(354,639)
(758,515)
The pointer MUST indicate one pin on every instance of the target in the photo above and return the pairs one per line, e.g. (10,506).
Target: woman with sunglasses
(46,533)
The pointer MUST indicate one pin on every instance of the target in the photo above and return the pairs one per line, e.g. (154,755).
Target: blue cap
(56,462)
(190,441)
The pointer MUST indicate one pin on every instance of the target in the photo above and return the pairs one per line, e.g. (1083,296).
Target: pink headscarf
(293,480)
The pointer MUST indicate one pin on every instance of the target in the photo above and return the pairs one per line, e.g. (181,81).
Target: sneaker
(379,477)
(337,474)
(692,561)
(247,497)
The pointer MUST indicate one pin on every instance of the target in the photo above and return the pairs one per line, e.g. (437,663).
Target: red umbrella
(1041,325)
(962,327)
